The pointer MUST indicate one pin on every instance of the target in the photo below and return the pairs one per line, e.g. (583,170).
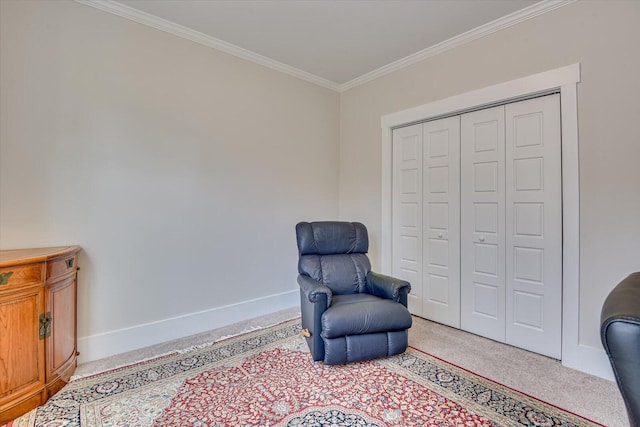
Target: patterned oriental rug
(267,378)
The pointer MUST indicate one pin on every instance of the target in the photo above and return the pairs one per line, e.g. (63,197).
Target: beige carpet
(539,376)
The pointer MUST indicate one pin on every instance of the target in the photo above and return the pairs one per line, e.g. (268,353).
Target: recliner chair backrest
(334,253)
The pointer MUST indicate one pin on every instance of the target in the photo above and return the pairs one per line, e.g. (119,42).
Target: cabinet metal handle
(439,235)
(482,238)
(69,262)
(45,325)
(4,277)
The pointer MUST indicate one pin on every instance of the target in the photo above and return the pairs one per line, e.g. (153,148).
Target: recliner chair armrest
(388,287)
(312,289)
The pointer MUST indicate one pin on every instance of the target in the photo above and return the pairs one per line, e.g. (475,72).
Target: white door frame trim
(565,79)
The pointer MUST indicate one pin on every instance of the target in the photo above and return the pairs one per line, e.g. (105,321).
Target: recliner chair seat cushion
(357,314)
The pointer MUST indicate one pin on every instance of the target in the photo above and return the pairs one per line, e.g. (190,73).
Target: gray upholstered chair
(349,313)
(620,333)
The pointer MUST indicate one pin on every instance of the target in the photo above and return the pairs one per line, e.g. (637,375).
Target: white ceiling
(335,42)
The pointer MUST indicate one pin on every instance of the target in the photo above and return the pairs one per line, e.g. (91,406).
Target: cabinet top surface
(23,256)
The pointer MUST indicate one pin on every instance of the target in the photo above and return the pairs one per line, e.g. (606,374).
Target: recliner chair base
(355,348)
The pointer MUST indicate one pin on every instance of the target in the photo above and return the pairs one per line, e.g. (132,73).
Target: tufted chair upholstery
(350,312)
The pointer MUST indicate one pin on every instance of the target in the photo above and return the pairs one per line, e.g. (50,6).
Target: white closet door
(482,223)
(441,219)
(534,225)
(407,211)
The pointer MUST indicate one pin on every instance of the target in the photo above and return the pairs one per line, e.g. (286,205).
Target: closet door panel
(441,219)
(407,212)
(534,225)
(482,240)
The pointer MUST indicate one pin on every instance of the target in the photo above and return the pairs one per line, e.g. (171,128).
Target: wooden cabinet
(38,337)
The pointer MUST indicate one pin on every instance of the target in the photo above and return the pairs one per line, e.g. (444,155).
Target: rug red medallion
(284,387)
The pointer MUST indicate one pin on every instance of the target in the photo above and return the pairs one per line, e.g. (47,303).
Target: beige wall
(603,37)
(179,169)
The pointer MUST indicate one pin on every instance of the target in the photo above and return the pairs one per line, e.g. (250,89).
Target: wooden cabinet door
(61,345)
(22,370)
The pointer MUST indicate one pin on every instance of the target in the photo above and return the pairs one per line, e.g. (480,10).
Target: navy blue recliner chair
(349,313)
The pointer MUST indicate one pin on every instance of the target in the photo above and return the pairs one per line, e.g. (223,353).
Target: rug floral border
(489,398)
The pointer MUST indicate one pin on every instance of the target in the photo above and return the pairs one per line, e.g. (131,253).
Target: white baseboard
(98,346)
(591,360)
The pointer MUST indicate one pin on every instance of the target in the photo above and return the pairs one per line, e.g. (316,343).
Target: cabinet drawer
(60,267)
(20,275)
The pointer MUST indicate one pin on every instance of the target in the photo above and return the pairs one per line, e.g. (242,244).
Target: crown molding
(206,40)
(144,18)
(474,34)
